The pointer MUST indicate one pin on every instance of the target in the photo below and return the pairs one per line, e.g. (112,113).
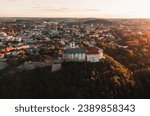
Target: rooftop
(92,50)
(75,51)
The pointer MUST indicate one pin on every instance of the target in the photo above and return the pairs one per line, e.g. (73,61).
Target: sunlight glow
(75,8)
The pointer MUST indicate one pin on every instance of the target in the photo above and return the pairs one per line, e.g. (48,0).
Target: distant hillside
(89,21)
(98,21)
(105,79)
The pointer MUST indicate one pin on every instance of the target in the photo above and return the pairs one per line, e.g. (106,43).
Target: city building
(94,54)
(75,54)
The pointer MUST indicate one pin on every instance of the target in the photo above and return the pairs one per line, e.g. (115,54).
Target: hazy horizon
(115,18)
(75,8)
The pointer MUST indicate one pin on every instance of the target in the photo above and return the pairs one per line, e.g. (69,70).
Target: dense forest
(105,79)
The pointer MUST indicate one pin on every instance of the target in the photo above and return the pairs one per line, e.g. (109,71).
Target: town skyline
(75,8)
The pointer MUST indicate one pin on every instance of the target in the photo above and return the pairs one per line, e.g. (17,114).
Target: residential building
(94,54)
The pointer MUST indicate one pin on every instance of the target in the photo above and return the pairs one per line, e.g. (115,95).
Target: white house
(94,54)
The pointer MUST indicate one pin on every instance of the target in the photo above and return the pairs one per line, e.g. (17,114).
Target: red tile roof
(92,50)
(9,48)
(1,55)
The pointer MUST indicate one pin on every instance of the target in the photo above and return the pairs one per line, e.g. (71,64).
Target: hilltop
(105,79)
(89,21)
(98,21)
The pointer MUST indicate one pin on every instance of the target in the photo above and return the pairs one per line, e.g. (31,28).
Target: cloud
(66,9)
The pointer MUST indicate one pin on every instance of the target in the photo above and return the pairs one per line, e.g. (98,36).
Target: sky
(76,8)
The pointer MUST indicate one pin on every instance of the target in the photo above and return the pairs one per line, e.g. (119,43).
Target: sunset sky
(76,8)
